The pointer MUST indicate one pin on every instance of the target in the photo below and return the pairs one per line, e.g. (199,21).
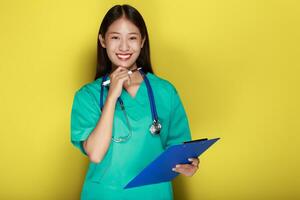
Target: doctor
(122,127)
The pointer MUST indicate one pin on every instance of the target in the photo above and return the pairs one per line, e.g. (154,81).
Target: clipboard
(160,169)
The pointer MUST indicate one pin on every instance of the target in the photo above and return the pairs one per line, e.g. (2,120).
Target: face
(123,43)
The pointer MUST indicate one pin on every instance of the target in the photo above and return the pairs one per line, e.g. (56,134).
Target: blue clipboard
(160,170)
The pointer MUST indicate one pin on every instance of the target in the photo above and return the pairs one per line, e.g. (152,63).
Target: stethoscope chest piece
(155,127)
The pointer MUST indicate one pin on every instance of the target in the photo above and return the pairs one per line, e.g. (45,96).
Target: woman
(110,124)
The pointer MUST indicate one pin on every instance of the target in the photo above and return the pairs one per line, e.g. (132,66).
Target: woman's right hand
(117,79)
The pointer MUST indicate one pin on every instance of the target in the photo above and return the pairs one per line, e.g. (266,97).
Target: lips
(123,56)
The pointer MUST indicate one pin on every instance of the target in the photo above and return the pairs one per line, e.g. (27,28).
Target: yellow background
(235,64)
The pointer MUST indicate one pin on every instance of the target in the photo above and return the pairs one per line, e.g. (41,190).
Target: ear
(143,41)
(102,41)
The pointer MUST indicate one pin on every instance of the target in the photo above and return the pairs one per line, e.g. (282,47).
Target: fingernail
(190,159)
(177,165)
(173,169)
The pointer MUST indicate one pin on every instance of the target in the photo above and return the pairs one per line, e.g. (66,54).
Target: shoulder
(89,90)
(90,86)
(165,90)
(160,83)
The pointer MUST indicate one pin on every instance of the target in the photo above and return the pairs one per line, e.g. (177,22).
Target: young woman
(126,124)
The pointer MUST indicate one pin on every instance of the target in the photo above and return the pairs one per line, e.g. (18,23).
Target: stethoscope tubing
(149,91)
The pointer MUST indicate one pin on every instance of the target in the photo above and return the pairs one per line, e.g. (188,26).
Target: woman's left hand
(188,169)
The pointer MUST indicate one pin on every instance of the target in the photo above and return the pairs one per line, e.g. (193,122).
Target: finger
(118,74)
(124,78)
(121,71)
(195,161)
(121,76)
(185,166)
(118,70)
(182,169)
(185,170)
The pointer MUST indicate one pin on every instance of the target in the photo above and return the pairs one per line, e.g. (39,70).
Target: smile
(123,56)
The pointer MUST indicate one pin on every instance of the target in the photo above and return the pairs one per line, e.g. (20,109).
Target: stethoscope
(155,126)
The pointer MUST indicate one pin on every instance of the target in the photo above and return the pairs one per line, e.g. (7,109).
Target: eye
(114,37)
(133,38)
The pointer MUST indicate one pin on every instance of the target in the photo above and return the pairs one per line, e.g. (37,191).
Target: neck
(136,79)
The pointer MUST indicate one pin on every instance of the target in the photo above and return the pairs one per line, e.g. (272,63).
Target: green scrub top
(123,161)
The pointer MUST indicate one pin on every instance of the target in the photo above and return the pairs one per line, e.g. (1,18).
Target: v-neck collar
(139,87)
(139,97)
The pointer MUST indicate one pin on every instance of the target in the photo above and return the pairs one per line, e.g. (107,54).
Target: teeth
(124,56)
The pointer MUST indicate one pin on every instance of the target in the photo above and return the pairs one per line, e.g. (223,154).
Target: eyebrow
(132,33)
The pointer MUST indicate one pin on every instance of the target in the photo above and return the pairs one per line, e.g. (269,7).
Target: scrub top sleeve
(84,117)
(179,130)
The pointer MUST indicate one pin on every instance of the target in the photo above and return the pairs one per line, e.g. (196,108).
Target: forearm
(99,140)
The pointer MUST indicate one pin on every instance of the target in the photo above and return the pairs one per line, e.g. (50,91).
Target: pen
(105,83)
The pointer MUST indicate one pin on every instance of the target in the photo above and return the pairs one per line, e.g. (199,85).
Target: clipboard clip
(199,140)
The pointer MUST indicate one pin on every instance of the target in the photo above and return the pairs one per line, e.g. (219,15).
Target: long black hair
(114,13)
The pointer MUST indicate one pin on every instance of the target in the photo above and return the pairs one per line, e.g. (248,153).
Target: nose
(123,45)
